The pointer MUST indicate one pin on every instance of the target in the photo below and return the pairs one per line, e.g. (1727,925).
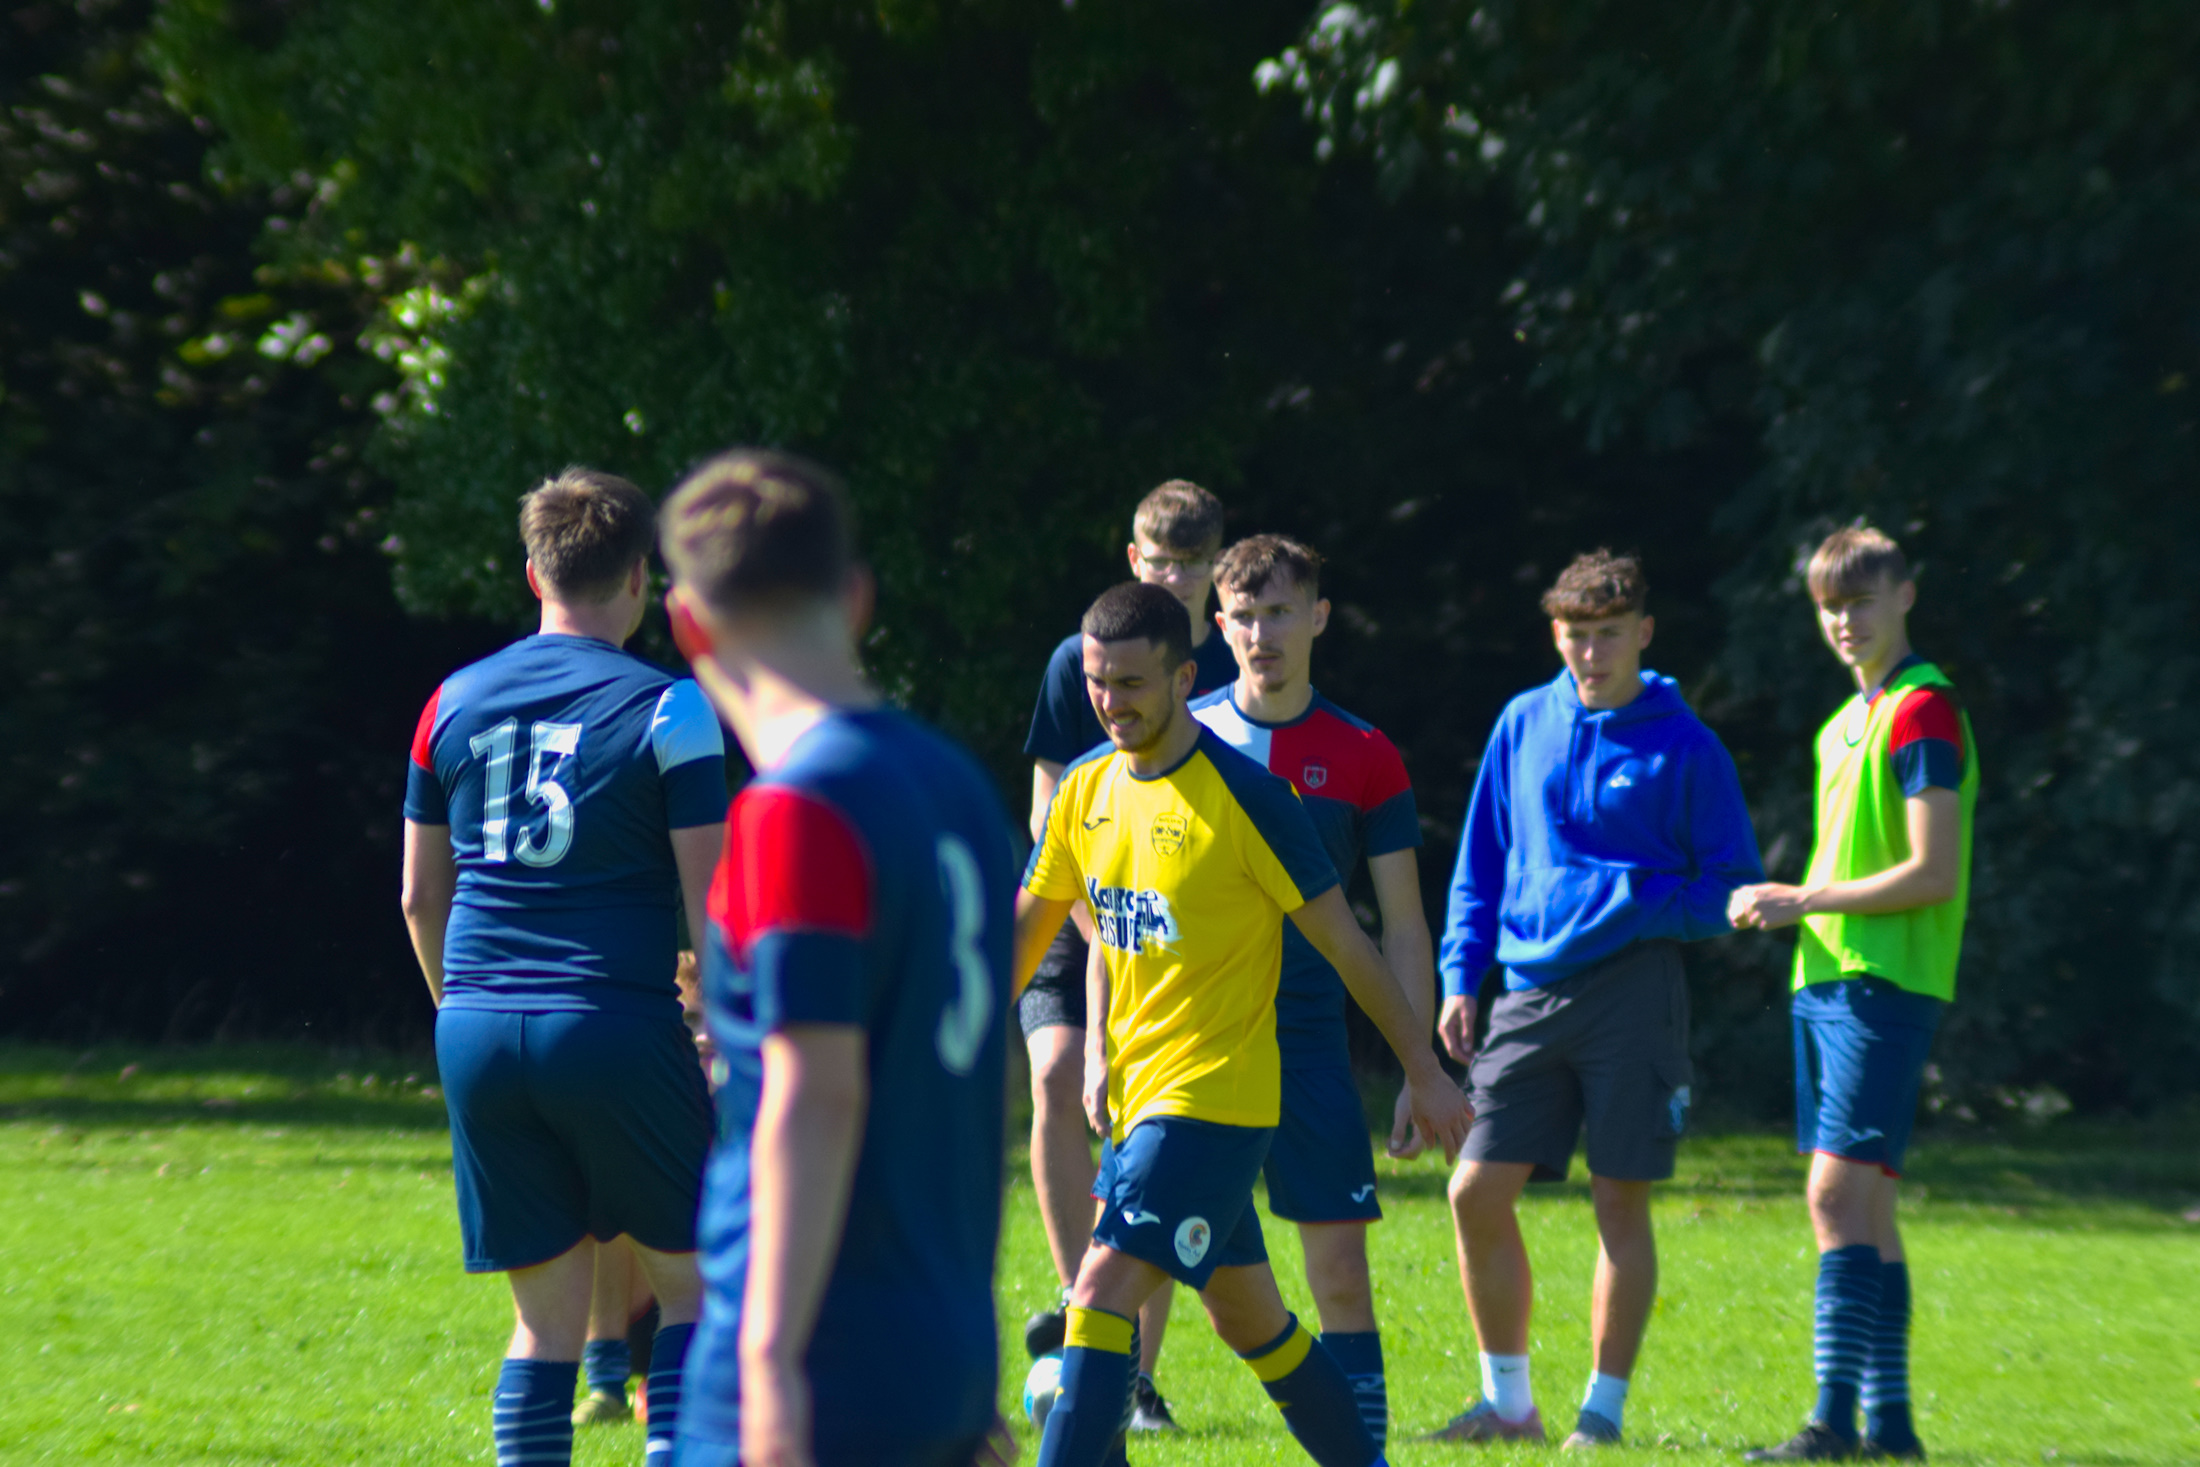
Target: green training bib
(1863,829)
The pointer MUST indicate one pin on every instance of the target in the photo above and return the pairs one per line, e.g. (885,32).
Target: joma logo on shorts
(1129,920)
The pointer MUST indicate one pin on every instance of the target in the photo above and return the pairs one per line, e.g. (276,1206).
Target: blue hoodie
(1591,829)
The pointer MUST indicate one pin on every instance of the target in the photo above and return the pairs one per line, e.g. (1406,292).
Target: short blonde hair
(755,529)
(1855,559)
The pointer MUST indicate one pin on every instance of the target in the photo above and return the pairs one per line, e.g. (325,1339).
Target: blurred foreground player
(856,985)
(1881,913)
(563,796)
(1349,778)
(1191,856)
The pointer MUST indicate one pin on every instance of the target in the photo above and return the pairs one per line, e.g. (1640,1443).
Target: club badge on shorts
(1192,1237)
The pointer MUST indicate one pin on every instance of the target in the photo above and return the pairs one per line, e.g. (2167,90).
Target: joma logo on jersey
(1169,832)
(1129,920)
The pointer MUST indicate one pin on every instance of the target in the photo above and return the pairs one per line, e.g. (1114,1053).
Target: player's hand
(1455,1026)
(999,1448)
(1769,906)
(1096,1090)
(1440,1110)
(775,1416)
(1406,1140)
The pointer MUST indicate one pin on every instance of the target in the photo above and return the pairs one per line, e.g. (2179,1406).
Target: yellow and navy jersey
(1189,874)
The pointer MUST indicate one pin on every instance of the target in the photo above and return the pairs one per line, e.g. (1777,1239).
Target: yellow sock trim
(1285,1358)
(1096,1329)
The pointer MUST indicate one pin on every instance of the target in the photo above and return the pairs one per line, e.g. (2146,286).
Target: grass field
(249,1256)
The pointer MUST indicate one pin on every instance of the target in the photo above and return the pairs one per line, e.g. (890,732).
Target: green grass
(249,1256)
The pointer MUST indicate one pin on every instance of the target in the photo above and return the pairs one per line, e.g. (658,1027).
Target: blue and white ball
(1042,1388)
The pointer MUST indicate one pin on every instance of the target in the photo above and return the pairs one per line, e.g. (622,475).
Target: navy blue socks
(1315,1398)
(533,1414)
(1360,1357)
(1847,1322)
(607,1364)
(667,1353)
(1098,1360)
(1887,1368)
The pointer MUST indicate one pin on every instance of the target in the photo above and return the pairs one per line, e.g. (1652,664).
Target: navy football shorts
(695,1450)
(1321,1166)
(567,1124)
(1178,1193)
(1860,1050)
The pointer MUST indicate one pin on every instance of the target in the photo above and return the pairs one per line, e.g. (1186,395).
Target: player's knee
(1475,1197)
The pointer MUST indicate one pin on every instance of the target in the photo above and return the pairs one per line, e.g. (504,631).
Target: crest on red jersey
(1315,775)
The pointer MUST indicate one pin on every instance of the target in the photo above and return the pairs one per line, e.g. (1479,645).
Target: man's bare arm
(802,1162)
(1097,993)
(1438,1108)
(430,884)
(1929,877)
(1407,948)
(1045,775)
(1038,918)
(695,851)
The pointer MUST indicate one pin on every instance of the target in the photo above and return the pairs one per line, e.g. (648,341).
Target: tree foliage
(198,637)
(1934,260)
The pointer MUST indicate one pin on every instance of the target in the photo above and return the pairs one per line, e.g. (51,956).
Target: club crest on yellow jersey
(1170,830)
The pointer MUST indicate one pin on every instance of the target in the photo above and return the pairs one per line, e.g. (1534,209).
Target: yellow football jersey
(1190,875)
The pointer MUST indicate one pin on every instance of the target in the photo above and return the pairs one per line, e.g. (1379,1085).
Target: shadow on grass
(127,1087)
(2101,1174)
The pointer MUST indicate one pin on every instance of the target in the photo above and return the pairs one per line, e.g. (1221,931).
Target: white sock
(1607,1396)
(1505,1386)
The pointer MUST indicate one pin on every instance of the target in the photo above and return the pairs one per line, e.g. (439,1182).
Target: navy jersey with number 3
(560,764)
(868,880)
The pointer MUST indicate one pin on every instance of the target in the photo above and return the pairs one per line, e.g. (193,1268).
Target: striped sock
(1359,1355)
(667,1354)
(533,1414)
(607,1364)
(1099,1361)
(1847,1316)
(1887,1369)
(1315,1398)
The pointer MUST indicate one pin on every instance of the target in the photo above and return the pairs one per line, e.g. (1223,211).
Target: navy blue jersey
(1353,783)
(869,880)
(560,765)
(1063,724)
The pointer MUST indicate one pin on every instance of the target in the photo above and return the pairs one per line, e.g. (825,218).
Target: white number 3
(969,1014)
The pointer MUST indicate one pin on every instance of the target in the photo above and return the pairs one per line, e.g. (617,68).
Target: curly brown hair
(1597,585)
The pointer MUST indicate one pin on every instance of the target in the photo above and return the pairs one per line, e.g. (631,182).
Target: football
(1041,1387)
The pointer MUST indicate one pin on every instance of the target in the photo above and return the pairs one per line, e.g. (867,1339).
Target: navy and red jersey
(1353,783)
(561,765)
(869,880)
(1926,738)
(1063,725)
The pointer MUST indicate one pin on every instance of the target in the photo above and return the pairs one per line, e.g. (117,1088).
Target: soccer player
(1191,856)
(1321,1167)
(1174,536)
(1880,916)
(855,982)
(1606,827)
(563,797)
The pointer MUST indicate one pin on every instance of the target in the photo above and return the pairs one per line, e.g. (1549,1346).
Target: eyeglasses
(1167,564)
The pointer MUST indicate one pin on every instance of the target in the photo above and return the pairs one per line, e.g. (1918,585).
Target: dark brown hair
(1181,516)
(756,529)
(1855,559)
(1255,560)
(584,530)
(1597,585)
(1135,611)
